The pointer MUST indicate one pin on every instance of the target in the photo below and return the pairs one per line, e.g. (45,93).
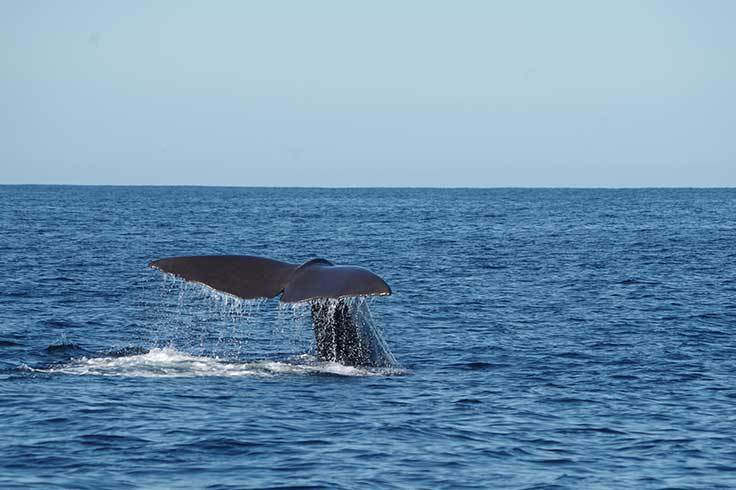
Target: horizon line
(459,187)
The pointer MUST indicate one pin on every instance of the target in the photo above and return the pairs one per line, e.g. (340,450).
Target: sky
(376,93)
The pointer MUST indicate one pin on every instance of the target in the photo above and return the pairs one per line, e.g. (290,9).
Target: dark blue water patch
(592,430)
(56,279)
(479,365)
(636,281)
(110,440)
(64,349)
(60,324)
(550,338)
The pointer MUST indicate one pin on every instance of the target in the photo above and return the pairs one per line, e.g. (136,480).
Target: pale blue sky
(374,93)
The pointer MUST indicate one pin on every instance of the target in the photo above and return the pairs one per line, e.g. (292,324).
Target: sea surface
(544,338)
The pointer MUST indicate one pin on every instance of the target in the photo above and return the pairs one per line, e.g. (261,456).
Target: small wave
(636,280)
(573,355)
(478,365)
(56,279)
(63,348)
(598,430)
(60,324)
(168,362)
(468,401)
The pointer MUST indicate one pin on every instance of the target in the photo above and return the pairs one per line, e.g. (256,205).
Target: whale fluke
(339,333)
(252,277)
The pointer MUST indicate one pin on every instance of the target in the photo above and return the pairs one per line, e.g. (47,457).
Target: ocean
(544,338)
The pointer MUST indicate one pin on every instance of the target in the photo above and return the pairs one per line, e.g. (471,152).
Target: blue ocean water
(547,338)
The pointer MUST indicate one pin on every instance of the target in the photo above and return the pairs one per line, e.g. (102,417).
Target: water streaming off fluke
(198,331)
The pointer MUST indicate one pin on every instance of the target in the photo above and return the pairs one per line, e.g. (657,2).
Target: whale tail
(250,277)
(342,327)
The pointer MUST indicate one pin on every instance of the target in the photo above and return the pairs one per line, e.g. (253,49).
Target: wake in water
(168,362)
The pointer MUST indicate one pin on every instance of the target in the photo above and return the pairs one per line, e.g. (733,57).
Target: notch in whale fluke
(252,277)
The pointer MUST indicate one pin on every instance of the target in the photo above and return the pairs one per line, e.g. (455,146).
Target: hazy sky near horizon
(380,93)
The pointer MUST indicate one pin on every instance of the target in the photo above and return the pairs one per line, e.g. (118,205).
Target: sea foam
(169,362)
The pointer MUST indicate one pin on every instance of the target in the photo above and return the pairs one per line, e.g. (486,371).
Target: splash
(346,332)
(170,363)
(221,330)
(197,319)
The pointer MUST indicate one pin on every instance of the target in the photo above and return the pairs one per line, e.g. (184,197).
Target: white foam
(168,362)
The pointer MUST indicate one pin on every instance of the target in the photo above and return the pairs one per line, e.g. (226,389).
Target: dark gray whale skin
(339,338)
